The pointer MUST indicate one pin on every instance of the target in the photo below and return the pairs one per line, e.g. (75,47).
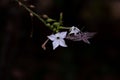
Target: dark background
(22,58)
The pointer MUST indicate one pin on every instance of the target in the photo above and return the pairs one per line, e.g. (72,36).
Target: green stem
(31,12)
(61,17)
(38,16)
(65,27)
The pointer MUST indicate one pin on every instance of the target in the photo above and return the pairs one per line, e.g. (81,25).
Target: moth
(82,36)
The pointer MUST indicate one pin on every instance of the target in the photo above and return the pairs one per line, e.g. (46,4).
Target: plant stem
(29,10)
(38,16)
(61,17)
(65,27)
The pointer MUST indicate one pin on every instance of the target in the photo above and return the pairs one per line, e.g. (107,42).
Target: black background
(22,58)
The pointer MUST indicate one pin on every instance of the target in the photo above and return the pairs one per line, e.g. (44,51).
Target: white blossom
(74,30)
(58,39)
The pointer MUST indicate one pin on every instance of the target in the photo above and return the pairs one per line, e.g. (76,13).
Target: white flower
(58,39)
(74,30)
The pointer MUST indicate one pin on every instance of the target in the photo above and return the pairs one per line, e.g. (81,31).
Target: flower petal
(57,34)
(74,30)
(55,44)
(62,43)
(63,34)
(52,37)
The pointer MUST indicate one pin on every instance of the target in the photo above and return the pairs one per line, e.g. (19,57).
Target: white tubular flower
(74,30)
(58,39)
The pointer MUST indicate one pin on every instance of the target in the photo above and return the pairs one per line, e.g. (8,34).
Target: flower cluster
(59,36)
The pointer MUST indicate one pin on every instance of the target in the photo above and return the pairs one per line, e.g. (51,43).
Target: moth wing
(88,35)
(77,37)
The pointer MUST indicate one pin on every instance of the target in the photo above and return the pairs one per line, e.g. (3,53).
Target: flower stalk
(29,10)
(58,37)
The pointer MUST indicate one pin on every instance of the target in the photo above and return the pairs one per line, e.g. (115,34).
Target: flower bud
(56,23)
(45,16)
(32,6)
(48,24)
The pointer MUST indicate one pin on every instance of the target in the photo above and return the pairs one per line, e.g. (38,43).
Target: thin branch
(61,17)
(29,10)
(65,27)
